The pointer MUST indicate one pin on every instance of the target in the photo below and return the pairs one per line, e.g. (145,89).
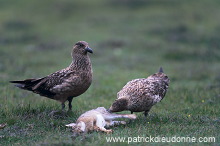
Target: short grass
(130,39)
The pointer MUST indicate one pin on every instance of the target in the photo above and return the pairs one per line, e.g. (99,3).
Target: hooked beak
(89,50)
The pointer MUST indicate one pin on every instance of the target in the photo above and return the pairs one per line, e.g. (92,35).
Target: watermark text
(156,139)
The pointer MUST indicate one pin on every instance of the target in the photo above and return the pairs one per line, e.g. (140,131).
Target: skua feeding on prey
(97,119)
(141,94)
(67,83)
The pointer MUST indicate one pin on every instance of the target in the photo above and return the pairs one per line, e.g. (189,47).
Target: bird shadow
(60,114)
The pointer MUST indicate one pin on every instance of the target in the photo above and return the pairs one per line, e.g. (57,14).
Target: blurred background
(130,39)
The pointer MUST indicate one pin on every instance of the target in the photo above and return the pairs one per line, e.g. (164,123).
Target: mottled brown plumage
(67,83)
(141,94)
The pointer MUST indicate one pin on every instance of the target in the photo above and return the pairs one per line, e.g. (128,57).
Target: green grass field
(130,39)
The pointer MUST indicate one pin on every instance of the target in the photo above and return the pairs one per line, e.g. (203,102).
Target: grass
(130,39)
